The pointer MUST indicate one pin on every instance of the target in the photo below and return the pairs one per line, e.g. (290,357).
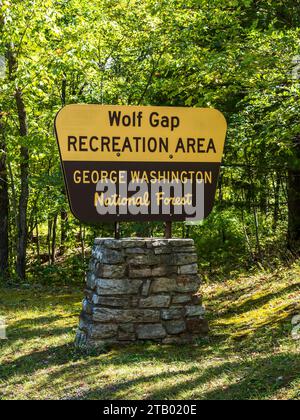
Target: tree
(4,200)
(294,199)
(4,204)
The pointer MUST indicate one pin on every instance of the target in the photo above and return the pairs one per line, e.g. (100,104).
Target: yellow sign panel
(140,134)
(126,163)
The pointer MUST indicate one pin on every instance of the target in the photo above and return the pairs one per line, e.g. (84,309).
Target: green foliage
(236,56)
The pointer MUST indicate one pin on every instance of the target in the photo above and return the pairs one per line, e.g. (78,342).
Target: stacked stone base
(141,290)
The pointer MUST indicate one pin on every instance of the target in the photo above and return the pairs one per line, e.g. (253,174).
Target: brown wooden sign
(124,163)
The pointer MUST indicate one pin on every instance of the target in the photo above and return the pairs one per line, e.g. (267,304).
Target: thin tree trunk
(38,248)
(13,215)
(4,206)
(258,245)
(53,250)
(63,214)
(24,168)
(294,200)
(276,201)
(63,231)
(49,236)
(24,192)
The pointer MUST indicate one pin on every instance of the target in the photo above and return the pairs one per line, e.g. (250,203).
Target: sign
(132,163)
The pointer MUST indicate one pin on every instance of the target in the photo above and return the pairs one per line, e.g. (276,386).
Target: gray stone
(107,287)
(163,285)
(188,269)
(134,301)
(161,243)
(175,327)
(142,289)
(164,270)
(91,281)
(95,299)
(151,332)
(140,273)
(143,260)
(125,315)
(194,311)
(172,313)
(177,299)
(185,250)
(120,244)
(87,306)
(134,243)
(113,302)
(166,250)
(181,242)
(109,243)
(184,284)
(146,288)
(101,331)
(108,256)
(188,284)
(126,328)
(156,301)
(168,260)
(135,251)
(185,259)
(126,332)
(111,271)
(122,336)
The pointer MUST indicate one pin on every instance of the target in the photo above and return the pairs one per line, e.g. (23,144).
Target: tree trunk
(4,206)
(53,250)
(49,236)
(294,200)
(24,167)
(63,231)
(24,191)
(276,201)
(38,247)
(63,214)
(257,236)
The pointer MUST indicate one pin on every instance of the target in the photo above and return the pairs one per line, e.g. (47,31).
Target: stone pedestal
(141,290)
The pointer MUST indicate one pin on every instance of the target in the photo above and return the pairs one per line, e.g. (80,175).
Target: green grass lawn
(250,353)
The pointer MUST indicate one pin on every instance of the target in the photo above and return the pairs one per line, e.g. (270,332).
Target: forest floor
(250,353)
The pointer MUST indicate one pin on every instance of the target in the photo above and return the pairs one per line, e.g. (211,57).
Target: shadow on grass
(28,333)
(254,379)
(36,360)
(109,391)
(260,379)
(255,302)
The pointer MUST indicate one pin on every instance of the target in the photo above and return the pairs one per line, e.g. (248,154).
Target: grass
(249,355)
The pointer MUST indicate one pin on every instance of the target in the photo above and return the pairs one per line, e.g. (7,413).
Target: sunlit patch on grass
(250,353)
